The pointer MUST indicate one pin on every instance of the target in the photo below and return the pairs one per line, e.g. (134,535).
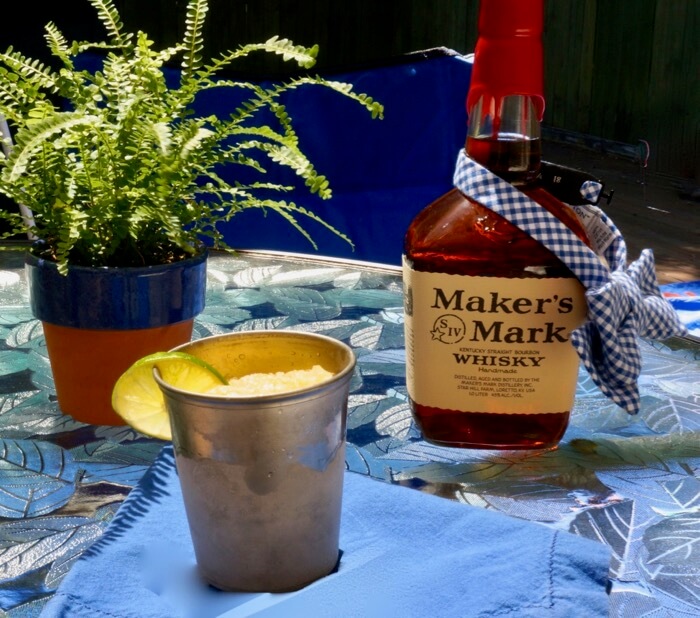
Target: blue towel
(684,297)
(405,553)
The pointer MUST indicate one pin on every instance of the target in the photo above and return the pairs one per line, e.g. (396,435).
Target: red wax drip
(508,57)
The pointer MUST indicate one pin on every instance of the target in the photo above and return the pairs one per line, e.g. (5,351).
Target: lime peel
(138,400)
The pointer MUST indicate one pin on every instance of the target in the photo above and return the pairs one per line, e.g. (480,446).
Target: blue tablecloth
(405,553)
(684,296)
(628,482)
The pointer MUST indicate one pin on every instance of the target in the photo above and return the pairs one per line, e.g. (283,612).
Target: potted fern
(119,182)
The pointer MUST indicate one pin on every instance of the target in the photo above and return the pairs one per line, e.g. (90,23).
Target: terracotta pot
(98,321)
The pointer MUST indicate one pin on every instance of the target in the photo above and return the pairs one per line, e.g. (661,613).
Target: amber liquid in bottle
(456,235)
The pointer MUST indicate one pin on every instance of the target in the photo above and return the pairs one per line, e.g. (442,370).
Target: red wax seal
(508,57)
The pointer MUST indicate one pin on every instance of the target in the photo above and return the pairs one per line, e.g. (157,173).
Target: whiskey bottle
(489,309)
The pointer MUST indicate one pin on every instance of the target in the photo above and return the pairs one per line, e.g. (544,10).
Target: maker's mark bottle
(488,309)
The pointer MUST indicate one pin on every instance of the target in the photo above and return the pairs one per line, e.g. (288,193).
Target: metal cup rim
(337,379)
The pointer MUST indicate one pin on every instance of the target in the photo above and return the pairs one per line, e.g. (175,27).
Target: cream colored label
(485,344)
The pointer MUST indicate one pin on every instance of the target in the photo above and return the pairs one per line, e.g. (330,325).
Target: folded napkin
(405,553)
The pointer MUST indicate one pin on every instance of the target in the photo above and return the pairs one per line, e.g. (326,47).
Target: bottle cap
(508,57)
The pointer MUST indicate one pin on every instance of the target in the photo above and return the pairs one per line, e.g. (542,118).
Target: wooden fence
(623,72)
(619,74)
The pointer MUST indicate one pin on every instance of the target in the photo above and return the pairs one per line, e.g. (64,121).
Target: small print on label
(599,234)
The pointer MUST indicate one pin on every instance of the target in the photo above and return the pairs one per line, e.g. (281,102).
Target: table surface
(629,482)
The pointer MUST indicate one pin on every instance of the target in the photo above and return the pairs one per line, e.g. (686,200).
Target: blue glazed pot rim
(109,298)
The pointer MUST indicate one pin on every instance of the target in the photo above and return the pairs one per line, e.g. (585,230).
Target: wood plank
(620,71)
(673,93)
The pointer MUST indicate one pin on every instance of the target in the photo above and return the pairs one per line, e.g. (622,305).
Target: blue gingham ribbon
(624,302)
(590,190)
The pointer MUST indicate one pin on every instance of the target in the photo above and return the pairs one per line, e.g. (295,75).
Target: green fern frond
(74,225)
(204,83)
(132,165)
(285,213)
(13,221)
(111,20)
(304,56)
(294,159)
(267,97)
(31,71)
(193,41)
(234,155)
(35,136)
(80,47)
(58,44)
(13,99)
(117,80)
(164,56)
(271,186)
(287,210)
(314,217)
(163,135)
(285,120)
(374,107)
(195,142)
(259,131)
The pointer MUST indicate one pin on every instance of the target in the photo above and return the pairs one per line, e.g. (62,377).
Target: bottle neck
(504,136)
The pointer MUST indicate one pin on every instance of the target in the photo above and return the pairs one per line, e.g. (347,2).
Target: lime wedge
(137,398)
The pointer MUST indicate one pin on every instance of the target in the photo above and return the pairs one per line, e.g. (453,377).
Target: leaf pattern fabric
(629,482)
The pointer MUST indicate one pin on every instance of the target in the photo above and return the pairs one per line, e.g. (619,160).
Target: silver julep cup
(262,477)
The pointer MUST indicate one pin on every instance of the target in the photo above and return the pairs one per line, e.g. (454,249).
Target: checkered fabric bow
(590,190)
(624,302)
